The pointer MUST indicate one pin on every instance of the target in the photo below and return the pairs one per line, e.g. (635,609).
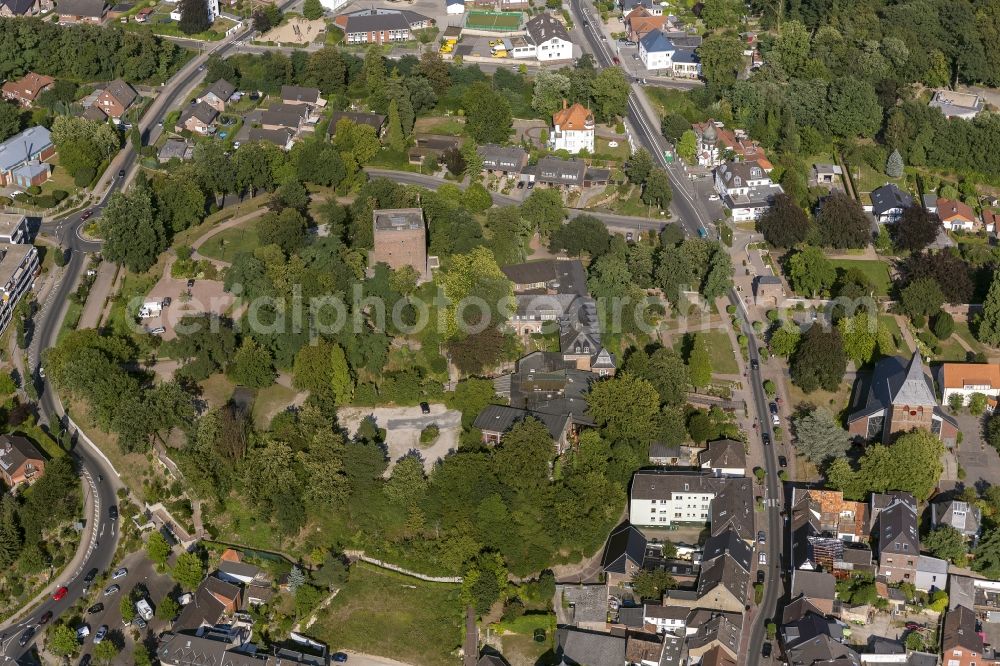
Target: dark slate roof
(544,27)
(222,89)
(888,197)
(814,584)
(727,562)
(122,92)
(963,516)
(625,543)
(720,628)
(89,8)
(502,158)
(201,111)
(916,387)
(886,386)
(631,616)
(960,630)
(732,508)
(587,648)
(897,529)
(278,137)
(373,120)
(284,115)
(500,418)
(19,7)
(300,94)
(797,609)
(727,453)
(15,450)
(204,610)
(655,41)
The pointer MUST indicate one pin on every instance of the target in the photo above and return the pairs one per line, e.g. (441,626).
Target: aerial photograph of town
(500,332)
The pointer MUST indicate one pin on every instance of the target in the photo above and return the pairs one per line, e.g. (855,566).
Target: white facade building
(573,129)
(746,189)
(550,37)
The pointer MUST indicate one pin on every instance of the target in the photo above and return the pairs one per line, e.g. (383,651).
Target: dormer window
(755,173)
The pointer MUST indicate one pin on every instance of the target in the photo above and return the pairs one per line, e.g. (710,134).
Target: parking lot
(403,426)
(207,296)
(141,574)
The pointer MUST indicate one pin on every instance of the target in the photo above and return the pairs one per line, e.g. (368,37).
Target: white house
(724,457)
(518,47)
(455,6)
(887,203)
(550,37)
(964,379)
(746,189)
(665,497)
(666,619)
(213,11)
(572,129)
(656,51)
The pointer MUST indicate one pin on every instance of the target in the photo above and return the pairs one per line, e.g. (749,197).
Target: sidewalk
(91,316)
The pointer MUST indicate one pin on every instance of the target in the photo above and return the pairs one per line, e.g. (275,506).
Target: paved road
(694,217)
(98,543)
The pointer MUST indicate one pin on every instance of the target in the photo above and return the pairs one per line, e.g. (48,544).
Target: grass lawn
(519,646)
(867,179)
(962,331)
(835,401)
(721,349)
(133,467)
(421,624)
(217,390)
(268,400)
(225,245)
(897,336)
(633,206)
(619,152)
(668,101)
(450,125)
(73,312)
(876,271)
(951,350)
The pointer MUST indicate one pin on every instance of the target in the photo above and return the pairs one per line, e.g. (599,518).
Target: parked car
(761,537)
(44,619)
(765,651)
(425,408)
(82,632)
(190,283)
(95,609)
(102,631)
(111,589)
(159,330)
(166,302)
(339,657)
(139,623)
(782,461)
(762,558)
(91,575)
(713,197)
(760,576)
(60,593)
(120,572)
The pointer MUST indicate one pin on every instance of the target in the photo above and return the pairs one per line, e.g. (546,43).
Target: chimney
(565,103)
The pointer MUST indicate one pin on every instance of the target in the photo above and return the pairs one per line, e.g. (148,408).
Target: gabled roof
(544,27)
(15,451)
(299,94)
(897,529)
(201,111)
(500,418)
(531,272)
(375,20)
(587,648)
(88,8)
(726,563)
(625,544)
(21,147)
(963,516)
(723,453)
(278,137)
(889,197)
(373,120)
(19,7)
(31,84)
(122,92)
(817,585)
(657,42)
(960,631)
(960,375)
(283,115)
(952,210)
(221,89)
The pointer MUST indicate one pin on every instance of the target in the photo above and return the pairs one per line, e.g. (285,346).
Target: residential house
(218,95)
(503,160)
(709,630)
(550,37)
(662,498)
(957,105)
(14,228)
(175,149)
(81,11)
(374,120)
(963,516)
(641,21)
(199,119)
(116,98)
(990,220)
(965,379)
(22,157)
(213,600)
(518,47)
(586,604)
(666,619)
(716,145)
(685,63)
(624,553)
(823,527)
(826,175)
(887,203)
(643,649)
(961,644)
(724,457)
(651,6)
(380,26)
(956,215)
(895,521)
(725,573)
(656,51)
(746,189)
(284,116)
(576,647)
(431,146)
(813,639)
(495,421)
(572,129)
(301,95)
(230,646)
(17,8)
(400,239)
(932,574)
(897,397)
(20,460)
(281,137)
(25,90)
(570,173)
(819,588)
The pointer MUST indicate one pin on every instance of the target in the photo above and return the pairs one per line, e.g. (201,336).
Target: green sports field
(498,21)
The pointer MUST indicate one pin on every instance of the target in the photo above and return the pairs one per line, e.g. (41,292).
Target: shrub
(944,325)
(83,177)
(59,195)
(45,201)
(769,388)
(34,190)
(429,434)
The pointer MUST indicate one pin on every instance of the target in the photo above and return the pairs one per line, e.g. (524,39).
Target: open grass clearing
(269,401)
(877,272)
(228,243)
(421,623)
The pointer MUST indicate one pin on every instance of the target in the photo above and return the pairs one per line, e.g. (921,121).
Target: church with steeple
(897,398)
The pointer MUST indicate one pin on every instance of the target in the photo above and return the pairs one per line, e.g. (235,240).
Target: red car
(913,626)
(616,60)
(60,593)
(86,215)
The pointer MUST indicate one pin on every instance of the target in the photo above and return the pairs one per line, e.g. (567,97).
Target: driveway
(403,426)
(207,296)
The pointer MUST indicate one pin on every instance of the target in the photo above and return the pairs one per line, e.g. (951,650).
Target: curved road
(100,481)
(693,217)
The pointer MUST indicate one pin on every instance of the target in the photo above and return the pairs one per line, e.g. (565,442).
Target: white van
(144,610)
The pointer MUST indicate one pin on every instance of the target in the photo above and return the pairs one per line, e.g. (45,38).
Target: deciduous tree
(842,222)
(623,406)
(819,437)
(784,224)
(819,361)
(915,229)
